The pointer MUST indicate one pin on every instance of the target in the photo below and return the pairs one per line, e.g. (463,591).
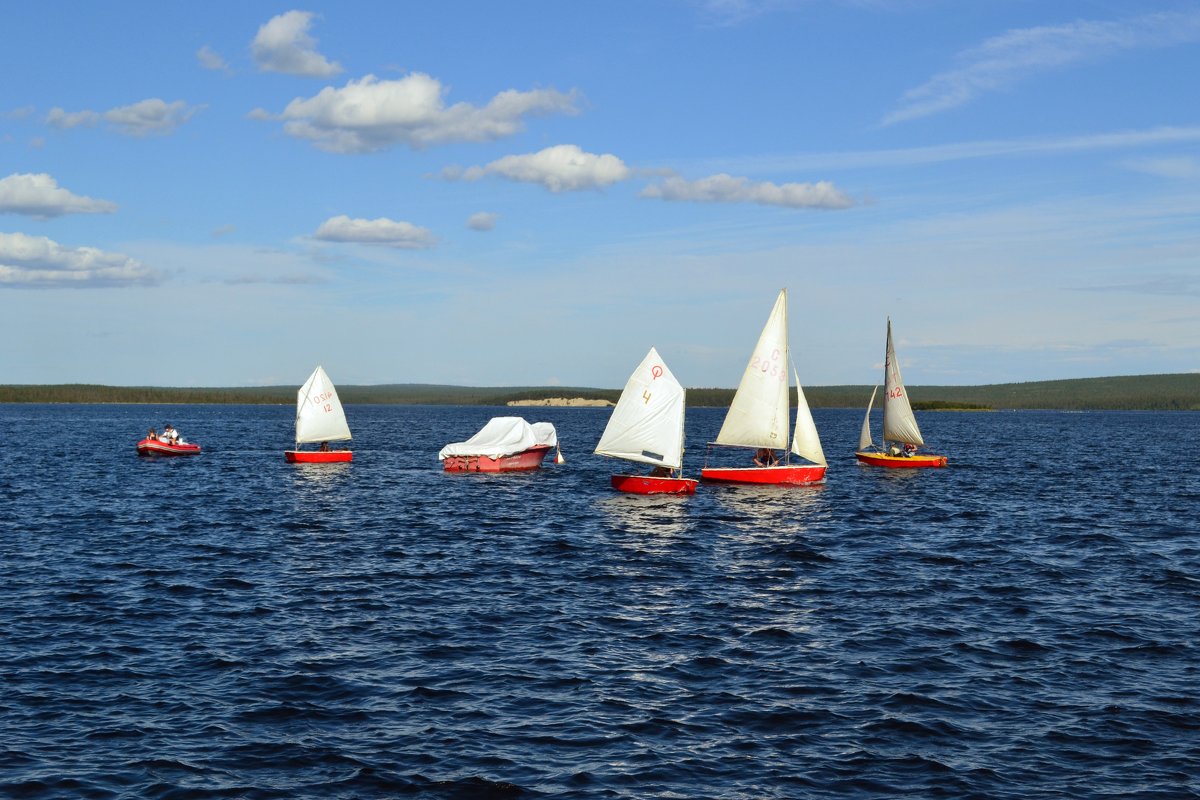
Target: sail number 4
(769,366)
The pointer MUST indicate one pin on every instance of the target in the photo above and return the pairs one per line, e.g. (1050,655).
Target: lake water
(1024,623)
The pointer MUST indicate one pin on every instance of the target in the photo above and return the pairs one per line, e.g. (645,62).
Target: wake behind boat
(504,444)
(758,416)
(646,427)
(319,418)
(899,424)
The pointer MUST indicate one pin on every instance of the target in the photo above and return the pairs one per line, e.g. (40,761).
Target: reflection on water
(758,508)
(660,515)
(319,480)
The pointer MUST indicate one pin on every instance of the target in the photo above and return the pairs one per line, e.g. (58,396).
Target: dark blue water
(1025,623)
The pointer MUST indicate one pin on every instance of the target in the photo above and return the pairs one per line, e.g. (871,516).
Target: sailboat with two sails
(759,415)
(646,427)
(319,418)
(899,423)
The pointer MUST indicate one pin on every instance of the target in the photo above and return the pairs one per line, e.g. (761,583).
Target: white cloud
(1003,60)
(146,117)
(371,114)
(1177,168)
(382,231)
(58,118)
(35,261)
(561,168)
(284,45)
(482,221)
(211,59)
(40,196)
(151,116)
(725,188)
(19,113)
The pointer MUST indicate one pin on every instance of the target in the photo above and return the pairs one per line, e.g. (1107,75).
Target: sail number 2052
(769,366)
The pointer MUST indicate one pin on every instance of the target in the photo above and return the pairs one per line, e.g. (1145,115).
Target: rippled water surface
(1025,623)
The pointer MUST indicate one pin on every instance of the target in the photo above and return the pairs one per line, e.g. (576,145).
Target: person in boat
(660,472)
(324,447)
(170,435)
(152,434)
(765,457)
(893,450)
(909,449)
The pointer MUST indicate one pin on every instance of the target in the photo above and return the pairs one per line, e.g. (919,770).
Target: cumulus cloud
(39,195)
(38,262)
(1006,59)
(147,117)
(482,221)
(561,168)
(58,118)
(211,59)
(368,115)
(725,188)
(284,45)
(382,231)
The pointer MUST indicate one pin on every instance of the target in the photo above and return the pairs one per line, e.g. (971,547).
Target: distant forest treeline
(1177,392)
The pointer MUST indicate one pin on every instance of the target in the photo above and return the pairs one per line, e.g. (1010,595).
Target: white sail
(647,423)
(319,414)
(899,424)
(805,441)
(758,415)
(864,436)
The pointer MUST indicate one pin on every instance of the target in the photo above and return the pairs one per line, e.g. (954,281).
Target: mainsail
(647,423)
(864,436)
(899,424)
(319,414)
(758,415)
(805,442)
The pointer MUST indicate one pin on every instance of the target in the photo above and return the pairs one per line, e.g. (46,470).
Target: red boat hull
(317,456)
(153,447)
(517,462)
(788,475)
(646,484)
(901,462)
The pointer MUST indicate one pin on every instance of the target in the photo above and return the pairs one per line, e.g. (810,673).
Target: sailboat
(758,416)
(647,427)
(319,418)
(899,424)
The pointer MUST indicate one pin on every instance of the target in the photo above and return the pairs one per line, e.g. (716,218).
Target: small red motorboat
(650,484)
(157,447)
(783,474)
(504,444)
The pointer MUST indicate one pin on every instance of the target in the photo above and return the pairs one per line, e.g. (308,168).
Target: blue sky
(535,193)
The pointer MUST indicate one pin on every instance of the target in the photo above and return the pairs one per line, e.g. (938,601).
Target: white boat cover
(503,436)
(899,424)
(319,414)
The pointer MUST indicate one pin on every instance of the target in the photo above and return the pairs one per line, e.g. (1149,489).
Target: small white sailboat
(319,418)
(646,427)
(899,423)
(758,416)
